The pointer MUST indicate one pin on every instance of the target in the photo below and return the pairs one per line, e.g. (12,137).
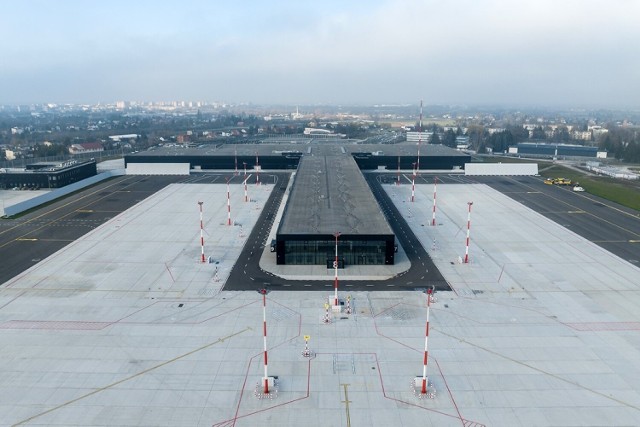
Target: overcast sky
(504,52)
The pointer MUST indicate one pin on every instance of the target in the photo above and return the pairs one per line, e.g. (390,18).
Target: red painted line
(169,270)
(416,350)
(232,421)
(455,405)
(384,393)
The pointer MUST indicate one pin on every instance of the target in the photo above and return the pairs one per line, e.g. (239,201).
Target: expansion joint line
(542,371)
(98,390)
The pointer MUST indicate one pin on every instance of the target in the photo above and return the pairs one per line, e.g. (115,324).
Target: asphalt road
(607,224)
(247,274)
(613,227)
(423,272)
(26,240)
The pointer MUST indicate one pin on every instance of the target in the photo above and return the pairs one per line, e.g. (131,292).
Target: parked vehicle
(562,181)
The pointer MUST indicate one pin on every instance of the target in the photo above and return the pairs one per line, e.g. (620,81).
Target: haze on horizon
(581,53)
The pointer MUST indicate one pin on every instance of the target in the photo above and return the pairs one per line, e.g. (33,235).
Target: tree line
(623,143)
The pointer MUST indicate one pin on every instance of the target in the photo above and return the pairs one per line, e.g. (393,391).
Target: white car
(578,188)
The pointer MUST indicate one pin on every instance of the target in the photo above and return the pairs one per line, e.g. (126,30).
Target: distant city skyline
(581,53)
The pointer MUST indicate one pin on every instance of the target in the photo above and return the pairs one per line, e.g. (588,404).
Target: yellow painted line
(62,206)
(634,241)
(24,239)
(166,294)
(114,384)
(346,401)
(594,215)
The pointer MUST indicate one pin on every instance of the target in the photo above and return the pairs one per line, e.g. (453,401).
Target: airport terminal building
(330,196)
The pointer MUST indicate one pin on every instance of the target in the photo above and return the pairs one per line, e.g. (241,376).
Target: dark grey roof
(404,149)
(316,147)
(224,150)
(330,194)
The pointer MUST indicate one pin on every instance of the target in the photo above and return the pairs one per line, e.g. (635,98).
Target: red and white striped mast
(413,183)
(419,139)
(235,152)
(335,267)
(433,216)
(426,348)
(264,328)
(201,232)
(246,198)
(466,252)
(228,203)
(257,170)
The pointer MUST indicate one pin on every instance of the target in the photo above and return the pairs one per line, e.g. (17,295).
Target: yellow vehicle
(548,181)
(562,181)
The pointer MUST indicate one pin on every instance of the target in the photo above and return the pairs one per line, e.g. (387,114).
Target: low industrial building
(553,150)
(285,156)
(47,174)
(217,157)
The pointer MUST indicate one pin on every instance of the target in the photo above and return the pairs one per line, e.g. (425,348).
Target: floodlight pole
(264,327)
(228,203)
(235,153)
(426,349)
(433,217)
(419,139)
(413,183)
(201,232)
(398,180)
(335,266)
(257,170)
(466,252)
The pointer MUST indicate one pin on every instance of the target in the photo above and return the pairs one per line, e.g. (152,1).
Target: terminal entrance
(350,252)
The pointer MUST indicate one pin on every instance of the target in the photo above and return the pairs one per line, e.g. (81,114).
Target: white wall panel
(501,169)
(158,168)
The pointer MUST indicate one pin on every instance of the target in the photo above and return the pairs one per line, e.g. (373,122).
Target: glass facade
(317,252)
